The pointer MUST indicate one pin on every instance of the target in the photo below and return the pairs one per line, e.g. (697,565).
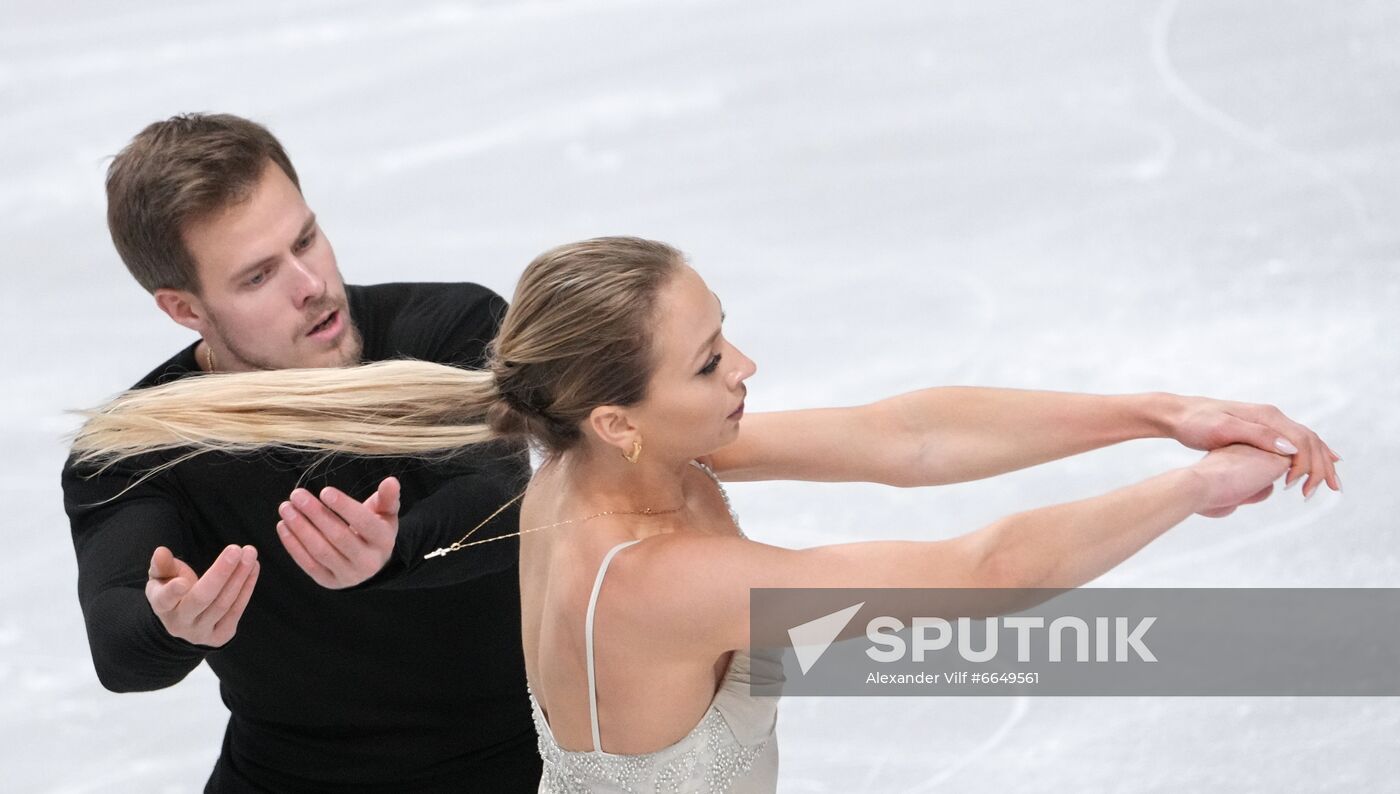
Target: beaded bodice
(732,749)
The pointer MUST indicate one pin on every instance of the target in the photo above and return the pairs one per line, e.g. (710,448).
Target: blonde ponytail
(401,407)
(577,335)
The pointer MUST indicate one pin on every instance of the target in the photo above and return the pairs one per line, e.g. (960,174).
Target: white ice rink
(1195,196)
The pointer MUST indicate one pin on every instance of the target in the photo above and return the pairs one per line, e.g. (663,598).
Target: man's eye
(710,367)
(259,278)
(305,242)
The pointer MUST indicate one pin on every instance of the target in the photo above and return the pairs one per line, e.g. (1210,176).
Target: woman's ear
(613,427)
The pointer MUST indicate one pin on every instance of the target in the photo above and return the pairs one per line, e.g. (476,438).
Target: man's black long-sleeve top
(393,683)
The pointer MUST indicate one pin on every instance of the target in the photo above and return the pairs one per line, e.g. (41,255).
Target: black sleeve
(114,536)
(463,491)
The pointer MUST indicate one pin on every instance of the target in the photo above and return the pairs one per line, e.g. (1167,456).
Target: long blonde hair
(575,337)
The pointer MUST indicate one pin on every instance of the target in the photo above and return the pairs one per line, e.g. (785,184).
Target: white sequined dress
(733,749)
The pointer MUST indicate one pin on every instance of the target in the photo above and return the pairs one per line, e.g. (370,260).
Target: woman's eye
(710,367)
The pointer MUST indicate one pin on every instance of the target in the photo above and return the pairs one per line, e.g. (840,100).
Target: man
(345,664)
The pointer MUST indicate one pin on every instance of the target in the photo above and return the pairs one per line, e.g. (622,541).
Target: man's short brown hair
(177,171)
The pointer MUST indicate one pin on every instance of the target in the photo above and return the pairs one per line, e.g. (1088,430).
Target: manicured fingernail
(1283,445)
(1290,483)
(1309,497)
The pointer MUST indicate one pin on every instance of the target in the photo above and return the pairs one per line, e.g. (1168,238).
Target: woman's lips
(738,412)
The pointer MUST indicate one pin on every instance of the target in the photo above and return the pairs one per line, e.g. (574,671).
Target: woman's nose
(743,372)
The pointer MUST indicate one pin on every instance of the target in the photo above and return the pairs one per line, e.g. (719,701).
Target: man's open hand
(338,541)
(204,609)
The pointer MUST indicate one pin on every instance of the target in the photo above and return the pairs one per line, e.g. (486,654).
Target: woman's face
(696,394)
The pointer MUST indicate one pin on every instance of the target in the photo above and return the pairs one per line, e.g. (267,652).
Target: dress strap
(588,640)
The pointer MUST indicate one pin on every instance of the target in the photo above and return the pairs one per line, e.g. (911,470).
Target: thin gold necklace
(462,543)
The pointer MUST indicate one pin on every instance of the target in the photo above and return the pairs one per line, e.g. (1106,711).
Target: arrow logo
(811,639)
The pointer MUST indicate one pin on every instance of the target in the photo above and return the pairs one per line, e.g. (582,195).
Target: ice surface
(1100,196)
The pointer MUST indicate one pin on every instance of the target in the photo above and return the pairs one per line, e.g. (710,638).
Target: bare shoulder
(692,590)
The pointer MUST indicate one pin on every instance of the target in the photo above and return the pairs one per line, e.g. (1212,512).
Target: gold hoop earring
(636,452)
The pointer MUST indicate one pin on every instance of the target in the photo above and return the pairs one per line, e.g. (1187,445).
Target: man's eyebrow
(715,335)
(244,272)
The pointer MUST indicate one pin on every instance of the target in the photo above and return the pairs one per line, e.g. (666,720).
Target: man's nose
(309,285)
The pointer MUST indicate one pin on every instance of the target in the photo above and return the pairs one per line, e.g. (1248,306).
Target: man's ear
(184,308)
(613,427)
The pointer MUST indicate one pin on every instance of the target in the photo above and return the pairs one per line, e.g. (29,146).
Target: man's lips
(327,325)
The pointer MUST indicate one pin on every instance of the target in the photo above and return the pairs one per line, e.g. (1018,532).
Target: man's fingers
(227,624)
(387,497)
(162,564)
(318,572)
(328,523)
(224,600)
(228,593)
(385,500)
(368,524)
(212,582)
(165,596)
(165,565)
(312,539)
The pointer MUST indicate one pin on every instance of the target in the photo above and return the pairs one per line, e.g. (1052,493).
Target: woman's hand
(1206,424)
(1236,475)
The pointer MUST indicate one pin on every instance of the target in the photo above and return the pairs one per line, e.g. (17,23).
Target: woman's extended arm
(959,433)
(699,585)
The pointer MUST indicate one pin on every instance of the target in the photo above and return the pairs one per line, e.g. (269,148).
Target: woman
(634,575)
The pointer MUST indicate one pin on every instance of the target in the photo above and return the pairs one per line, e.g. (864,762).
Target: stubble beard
(352,347)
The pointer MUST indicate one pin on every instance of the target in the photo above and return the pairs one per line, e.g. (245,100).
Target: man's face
(271,296)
